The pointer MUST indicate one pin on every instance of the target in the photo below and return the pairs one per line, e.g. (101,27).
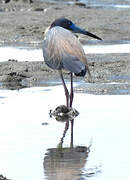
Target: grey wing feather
(73,64)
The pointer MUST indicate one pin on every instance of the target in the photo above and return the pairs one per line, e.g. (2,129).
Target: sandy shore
(25,23)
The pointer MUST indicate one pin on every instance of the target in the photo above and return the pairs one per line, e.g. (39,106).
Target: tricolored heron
(62,50)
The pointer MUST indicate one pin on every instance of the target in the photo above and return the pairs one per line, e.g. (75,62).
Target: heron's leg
(71,91)
(64,134)
(65,89)
(72,125)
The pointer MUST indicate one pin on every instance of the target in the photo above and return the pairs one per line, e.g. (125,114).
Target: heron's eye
(69,23)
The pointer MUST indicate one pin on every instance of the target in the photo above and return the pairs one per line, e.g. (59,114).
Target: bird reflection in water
(65,162)
(63,113)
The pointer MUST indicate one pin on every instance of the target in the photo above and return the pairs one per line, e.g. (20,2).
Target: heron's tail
(81,73)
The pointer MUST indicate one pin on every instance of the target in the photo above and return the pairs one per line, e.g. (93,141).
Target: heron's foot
(63,113)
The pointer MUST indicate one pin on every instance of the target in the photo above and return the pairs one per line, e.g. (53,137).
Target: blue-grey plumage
(62,50)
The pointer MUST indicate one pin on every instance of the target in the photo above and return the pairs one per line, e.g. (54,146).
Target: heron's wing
(73,64)
(62,49)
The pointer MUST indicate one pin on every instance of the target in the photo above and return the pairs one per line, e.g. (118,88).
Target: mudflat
(22,22)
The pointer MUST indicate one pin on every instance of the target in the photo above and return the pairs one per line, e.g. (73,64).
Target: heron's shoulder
(59,32)
(58,28)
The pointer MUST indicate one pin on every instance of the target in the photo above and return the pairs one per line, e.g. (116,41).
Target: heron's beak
(77,29)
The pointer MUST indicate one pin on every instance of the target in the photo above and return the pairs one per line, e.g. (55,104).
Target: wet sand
(104,69)
(24,23)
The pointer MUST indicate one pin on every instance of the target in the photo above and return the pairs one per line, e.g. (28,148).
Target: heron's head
(67,24)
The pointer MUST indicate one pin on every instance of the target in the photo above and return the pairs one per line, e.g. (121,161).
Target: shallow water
(22,53)
(98,4)
(27,131)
